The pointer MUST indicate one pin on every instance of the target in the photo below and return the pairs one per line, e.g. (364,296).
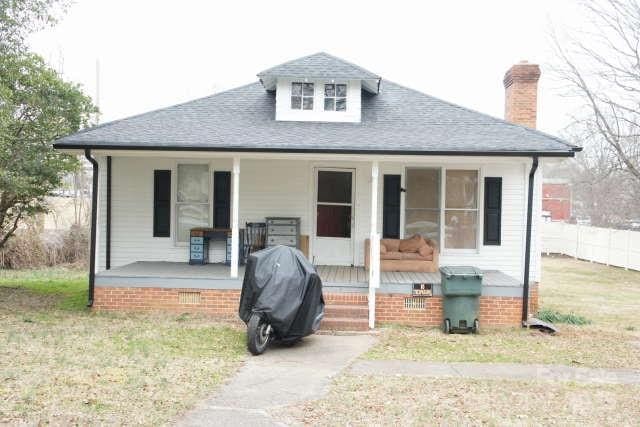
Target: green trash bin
(461,289)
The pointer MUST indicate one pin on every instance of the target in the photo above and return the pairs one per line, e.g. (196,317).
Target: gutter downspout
(527,249)
(94,215)
(107,255)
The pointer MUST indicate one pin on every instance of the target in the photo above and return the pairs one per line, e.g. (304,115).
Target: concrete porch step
(357,311)
(344,324)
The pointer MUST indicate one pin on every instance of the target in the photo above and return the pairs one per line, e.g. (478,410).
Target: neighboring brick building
(556,199)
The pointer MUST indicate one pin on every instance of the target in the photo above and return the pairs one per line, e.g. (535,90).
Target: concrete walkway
(280,377)
(511,371)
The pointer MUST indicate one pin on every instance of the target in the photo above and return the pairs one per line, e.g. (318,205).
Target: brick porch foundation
(390,308)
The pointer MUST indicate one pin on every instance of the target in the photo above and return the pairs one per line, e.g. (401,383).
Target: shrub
(32,248)
(554,316)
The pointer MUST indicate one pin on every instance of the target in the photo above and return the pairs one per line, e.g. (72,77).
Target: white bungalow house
(346,156)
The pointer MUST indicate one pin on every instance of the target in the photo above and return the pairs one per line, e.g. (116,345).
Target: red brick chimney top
(521,94)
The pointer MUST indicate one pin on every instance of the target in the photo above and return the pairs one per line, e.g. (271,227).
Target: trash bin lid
(461,270)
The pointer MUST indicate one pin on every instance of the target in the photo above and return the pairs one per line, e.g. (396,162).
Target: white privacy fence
(620,248)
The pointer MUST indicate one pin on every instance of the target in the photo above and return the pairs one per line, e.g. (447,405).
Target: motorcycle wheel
(258,334)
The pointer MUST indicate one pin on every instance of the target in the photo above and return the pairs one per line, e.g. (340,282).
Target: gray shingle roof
(319,65)
(397,120)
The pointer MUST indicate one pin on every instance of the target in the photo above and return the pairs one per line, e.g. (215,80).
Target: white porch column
(235,234)
(374,247)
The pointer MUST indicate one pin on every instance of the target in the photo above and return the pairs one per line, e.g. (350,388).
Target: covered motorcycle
(281,297)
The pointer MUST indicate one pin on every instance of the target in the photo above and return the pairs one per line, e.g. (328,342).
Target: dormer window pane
(329,104)
(307,103)
(307,89)
(302,96)
(330,90)
(335,97)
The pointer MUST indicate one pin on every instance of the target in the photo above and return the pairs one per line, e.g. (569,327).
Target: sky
(153,54)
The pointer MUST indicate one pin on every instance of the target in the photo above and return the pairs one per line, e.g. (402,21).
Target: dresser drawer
(282,240)
(196,248)
(282,221)
(197,240)
(283,230)
(196,255)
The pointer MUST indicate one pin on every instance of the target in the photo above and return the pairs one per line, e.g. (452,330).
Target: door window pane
(334,187)
(461,229)
(334,221)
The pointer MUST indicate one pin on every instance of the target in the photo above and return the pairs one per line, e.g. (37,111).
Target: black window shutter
(222,199)
(161,203)
(492,210)
(391,207)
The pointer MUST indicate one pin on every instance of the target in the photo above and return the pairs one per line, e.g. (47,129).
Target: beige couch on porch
(413,254)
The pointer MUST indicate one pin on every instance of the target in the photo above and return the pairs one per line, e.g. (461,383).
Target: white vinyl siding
(285,188)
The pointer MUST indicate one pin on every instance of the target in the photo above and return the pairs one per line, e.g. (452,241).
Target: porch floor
(335,278)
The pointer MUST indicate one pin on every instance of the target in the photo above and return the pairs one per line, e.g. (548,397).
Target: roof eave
(98,146)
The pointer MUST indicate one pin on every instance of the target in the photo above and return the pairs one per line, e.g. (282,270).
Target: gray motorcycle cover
(282,285)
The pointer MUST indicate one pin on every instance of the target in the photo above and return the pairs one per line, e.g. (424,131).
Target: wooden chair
(255,236)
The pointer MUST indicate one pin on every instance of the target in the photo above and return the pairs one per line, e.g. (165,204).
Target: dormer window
(335,97)
(301,96)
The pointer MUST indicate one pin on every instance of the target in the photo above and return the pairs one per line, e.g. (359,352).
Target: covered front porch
(335,278)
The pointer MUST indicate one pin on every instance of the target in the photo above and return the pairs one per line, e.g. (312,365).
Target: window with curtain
(302,96)
(461,209)
(192,199)
(422,203)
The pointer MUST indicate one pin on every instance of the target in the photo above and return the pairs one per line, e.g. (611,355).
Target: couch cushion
(391,255)
(415,256)
(392,245)
(426,250)
(412,244)
(383,248)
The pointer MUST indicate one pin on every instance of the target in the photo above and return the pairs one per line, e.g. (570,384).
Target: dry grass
(609,297)
(62,364)
(378,401)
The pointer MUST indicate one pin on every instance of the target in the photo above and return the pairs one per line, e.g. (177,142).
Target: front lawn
(62,364)
(406,401)
(606,296)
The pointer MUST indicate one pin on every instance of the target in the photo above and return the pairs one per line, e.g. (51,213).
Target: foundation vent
(189,297)
(412,303)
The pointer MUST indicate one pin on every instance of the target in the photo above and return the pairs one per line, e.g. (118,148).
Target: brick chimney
(521,94)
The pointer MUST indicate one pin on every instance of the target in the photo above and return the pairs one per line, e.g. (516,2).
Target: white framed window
(192,199)
(302,96)
(335,97)
(461,224)
(443,204)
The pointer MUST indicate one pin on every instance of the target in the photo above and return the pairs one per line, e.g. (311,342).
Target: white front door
(334,216)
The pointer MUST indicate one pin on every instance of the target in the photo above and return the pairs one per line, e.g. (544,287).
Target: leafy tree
(36,107)
(19,18)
